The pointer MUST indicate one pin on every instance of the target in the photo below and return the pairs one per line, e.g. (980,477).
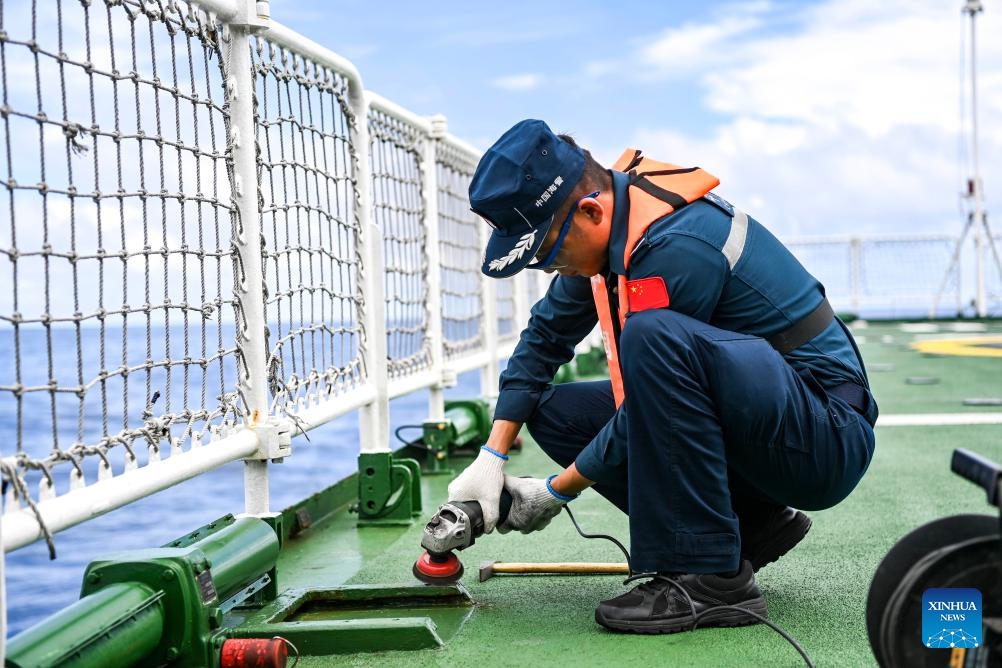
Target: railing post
(249,289)
(429,170)
(855,266)
(389,488)
(489,372)
(959,307)
(521,299)
(374,421)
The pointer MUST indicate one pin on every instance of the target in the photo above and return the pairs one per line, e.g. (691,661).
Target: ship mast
(977,217)
(974,190)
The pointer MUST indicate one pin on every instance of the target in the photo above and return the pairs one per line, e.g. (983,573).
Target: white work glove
(482,481)
(533,504)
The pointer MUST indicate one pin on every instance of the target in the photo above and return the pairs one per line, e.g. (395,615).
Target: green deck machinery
(466,422)
(162,606)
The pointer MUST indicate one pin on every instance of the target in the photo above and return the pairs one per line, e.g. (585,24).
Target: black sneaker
(764,542)
(669,604)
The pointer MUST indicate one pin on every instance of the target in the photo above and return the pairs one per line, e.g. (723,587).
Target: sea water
(38,586)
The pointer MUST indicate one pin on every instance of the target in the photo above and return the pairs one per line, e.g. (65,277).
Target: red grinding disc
(435,571)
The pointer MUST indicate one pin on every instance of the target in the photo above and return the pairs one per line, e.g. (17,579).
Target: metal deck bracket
(389,489)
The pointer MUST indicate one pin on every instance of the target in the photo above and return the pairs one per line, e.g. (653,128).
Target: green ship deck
(817,593)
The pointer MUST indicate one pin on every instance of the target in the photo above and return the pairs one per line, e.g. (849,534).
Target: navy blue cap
(519,184)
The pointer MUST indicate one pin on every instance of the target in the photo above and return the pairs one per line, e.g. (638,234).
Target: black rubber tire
(975,563)
(908,551)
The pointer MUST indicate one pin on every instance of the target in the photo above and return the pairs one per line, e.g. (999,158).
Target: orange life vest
(656,189)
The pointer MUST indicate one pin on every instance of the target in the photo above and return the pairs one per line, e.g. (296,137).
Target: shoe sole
(784,540)
(723,617)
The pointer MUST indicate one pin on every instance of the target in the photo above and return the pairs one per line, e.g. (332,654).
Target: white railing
(191,252)
(902,276)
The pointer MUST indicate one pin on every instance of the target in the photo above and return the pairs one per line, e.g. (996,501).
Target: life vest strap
(667,196)
(600,293)
(666,172)
(623,292)
(627,162)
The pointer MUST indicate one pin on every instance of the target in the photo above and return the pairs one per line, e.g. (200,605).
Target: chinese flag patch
(645,293)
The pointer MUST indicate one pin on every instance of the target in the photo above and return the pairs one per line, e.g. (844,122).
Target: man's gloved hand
(533,504)
(482,481)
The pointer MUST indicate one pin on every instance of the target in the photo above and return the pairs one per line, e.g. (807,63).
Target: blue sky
(820,117)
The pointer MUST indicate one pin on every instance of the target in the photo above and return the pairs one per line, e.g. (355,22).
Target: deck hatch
(352,619)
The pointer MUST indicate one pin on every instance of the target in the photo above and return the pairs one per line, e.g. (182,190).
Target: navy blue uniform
(716,424)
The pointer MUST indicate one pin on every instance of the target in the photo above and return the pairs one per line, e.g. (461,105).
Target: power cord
(416,443)
(678,586)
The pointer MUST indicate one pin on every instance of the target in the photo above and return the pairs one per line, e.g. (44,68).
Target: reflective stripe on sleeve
(735,243)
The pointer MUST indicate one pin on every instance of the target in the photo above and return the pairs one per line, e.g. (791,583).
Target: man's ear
(593,209)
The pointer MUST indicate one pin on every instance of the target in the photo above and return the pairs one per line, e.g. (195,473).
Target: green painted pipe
(122,623)
(118,625)
(464,421)
(239,553)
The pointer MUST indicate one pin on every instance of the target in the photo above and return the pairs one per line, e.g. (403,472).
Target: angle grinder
(455,526)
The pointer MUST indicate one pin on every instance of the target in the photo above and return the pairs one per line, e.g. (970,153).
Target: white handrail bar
(21,527)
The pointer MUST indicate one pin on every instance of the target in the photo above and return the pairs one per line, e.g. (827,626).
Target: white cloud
(693,46)
(518,82)
(845,118)
(679,51)
(897,70)
(750,135)
(843,183)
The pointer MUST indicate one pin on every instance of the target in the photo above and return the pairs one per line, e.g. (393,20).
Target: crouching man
(735,393)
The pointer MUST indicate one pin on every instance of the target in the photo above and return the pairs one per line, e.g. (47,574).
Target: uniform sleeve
(694,272)
(557,323)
